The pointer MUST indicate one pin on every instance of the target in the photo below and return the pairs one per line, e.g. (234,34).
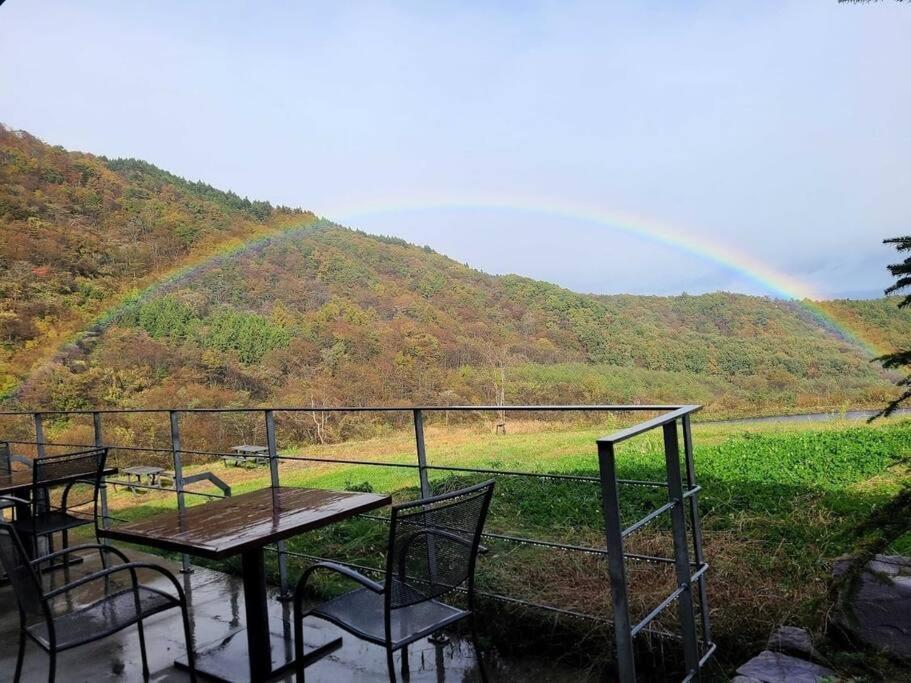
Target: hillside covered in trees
(320,314)
(78,231)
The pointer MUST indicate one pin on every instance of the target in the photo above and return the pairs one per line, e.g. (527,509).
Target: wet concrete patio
(217,614)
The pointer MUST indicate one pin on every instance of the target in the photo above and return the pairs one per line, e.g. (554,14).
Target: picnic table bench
(246,455)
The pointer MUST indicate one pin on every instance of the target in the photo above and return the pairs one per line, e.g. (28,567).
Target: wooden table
(243,525)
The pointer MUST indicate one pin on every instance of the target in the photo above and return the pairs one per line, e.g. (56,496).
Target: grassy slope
(779,503)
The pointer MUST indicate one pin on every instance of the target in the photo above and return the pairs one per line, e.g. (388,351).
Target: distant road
(811,417)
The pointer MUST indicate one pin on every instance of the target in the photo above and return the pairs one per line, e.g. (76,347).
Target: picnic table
(153,474)
(246,454)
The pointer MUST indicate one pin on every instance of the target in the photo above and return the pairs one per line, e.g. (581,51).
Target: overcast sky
(781,129)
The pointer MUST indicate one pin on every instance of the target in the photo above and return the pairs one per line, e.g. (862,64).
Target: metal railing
(682,506)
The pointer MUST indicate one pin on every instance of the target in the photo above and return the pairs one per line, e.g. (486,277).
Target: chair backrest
(433,544)
(6,458)
(21,575)
(70,482)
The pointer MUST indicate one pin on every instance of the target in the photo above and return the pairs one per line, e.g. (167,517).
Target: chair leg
(188,637)
(52,670)
(390,663)
(21,656)
(298,644)
(477,648)
(142,650)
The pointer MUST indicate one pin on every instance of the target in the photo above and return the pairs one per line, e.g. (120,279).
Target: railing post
(103,493)
(616,562)
(681,553)
(178,478)
(696,523)
(276,482)
(422,453)
(39,434)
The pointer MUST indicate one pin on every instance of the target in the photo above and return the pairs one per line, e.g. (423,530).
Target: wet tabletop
(230,526)
(21,480)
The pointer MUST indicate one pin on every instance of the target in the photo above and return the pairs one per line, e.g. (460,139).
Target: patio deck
(217,612)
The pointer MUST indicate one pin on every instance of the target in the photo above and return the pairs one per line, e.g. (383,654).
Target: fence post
(681,553)
(103,493)
(616,562)
(276,482)
(698,554)
(178,478)
(39,434)
(422,453)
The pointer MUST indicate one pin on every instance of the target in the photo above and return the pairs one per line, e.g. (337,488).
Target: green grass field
(779,502)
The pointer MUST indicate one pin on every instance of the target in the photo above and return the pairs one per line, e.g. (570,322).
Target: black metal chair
(6,467)
(433,548)
(119,607)
(64,496)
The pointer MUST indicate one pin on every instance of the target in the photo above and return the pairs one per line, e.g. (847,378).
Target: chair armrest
(130,567)
(347,572)
(14,499)
(88,546)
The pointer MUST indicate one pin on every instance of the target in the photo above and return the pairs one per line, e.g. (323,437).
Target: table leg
(257,611)
(228,658)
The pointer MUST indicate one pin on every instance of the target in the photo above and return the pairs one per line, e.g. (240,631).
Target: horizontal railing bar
(667,601)
(513,473)
(544,475)
(658,610)
(648,518)
(115,519)
(494,596)
(550,544)
(708,655)
(351,462)
(574,548)
(342,461)
(647,425)
(163,449)
(134,485)
(692,491)
(360,409)
(699,572)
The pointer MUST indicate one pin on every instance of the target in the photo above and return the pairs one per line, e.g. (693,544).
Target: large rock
(794,641)
(777,667)
(876,607)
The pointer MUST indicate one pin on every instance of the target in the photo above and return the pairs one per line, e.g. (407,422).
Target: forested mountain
(79,230)
(326,315)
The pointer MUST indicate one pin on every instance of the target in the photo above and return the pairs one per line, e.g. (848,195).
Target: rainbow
(767,278)
(206,259)
(775,282)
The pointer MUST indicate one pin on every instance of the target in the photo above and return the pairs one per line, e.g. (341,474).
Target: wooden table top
(20,480)
(143,469)
(246,449)
(230,526)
